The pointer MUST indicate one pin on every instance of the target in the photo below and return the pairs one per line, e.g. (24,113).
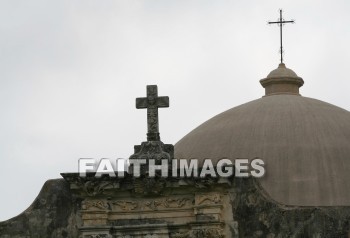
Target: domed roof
(304,142)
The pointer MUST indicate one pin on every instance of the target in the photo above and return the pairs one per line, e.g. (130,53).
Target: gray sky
(70,72)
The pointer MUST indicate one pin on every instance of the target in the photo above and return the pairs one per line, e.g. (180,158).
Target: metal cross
(280,23)
(152,102)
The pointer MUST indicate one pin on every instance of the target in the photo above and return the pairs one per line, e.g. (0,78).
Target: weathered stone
(54,213)
(239,208)
(152,102)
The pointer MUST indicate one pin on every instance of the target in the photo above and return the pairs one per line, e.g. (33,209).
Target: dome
(304,142)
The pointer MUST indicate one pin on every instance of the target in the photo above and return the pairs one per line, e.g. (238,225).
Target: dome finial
(282,81)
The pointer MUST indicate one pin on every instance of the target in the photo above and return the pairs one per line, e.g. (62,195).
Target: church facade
(305,193)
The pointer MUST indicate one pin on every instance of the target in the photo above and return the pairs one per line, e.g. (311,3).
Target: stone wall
(52,214)
(173,208)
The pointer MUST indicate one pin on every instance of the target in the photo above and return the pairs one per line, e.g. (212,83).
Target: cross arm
(141,103)
(279,22)
(163,101)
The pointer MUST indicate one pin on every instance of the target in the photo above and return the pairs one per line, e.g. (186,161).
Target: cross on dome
(280,22)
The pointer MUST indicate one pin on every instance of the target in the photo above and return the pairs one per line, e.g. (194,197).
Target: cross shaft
(152,102)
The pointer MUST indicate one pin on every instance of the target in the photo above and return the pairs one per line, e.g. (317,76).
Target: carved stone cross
(152,102)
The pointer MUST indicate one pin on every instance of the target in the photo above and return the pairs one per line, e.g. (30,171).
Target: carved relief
(151,150)
(100,204)
(166,203)
(207,199)
(154,204)
(180,235)
(207,233)
(126,205)
(200,233)
(151,236)
(92,186)
(96,236)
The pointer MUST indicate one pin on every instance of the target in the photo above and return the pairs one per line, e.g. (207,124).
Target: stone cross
(152,102)
(280,22)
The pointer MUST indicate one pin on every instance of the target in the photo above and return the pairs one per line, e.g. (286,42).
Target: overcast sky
(70,72)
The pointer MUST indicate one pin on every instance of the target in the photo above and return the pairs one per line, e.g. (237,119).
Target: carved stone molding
(207,199)
(167,203)
(151,236)
(207,233)
(90,185)
(126,205)
(96,236)
(99,204)
(200,233)
(155,150)
(153,204)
